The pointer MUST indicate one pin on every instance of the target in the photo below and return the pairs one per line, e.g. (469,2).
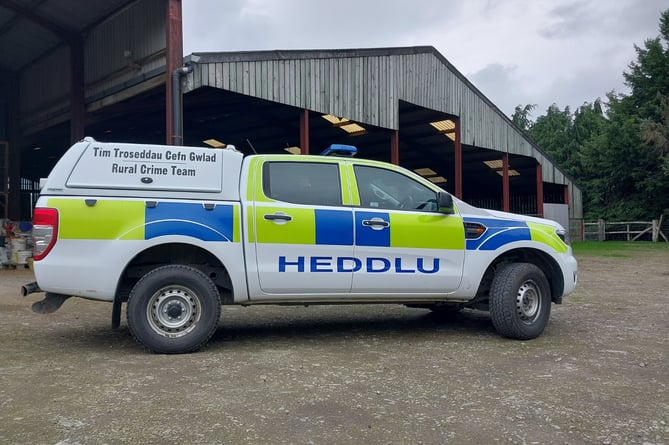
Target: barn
(115,71)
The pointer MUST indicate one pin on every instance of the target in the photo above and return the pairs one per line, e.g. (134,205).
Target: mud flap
(50,304)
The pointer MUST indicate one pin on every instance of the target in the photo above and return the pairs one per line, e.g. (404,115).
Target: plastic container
(21,256)
(17,244)
(4,255)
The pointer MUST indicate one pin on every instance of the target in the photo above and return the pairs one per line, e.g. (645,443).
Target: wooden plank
(225,76)
(211,74)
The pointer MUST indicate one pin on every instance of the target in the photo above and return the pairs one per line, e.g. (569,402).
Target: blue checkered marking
(499,232)
(334,227)
(190,219)
(366,235)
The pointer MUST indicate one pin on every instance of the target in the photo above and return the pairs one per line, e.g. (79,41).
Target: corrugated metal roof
(366,86)
(31,28)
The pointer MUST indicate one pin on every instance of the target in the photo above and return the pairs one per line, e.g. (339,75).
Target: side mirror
(445,203)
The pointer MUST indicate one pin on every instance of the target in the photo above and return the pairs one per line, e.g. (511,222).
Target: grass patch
(617,248)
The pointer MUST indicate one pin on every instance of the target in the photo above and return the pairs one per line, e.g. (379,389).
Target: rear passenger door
(303,231)
(404,245)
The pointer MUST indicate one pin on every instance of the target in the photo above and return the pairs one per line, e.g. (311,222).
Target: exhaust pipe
(51,302)
(30,288)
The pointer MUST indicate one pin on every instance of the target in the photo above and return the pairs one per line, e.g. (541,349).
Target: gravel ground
(349,374)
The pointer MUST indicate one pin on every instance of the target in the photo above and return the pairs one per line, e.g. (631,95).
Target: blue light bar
(340,150)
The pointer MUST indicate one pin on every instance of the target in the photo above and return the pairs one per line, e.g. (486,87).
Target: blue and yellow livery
(174,232)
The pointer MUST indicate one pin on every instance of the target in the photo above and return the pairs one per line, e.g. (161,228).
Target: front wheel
(173,309)
(520,301)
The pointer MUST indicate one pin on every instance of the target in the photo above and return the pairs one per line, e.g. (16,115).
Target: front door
(403,243)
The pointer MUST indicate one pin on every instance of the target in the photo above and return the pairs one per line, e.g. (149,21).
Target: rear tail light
(45,231)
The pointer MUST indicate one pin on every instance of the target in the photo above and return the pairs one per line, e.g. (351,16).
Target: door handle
(278,217)
(375,223)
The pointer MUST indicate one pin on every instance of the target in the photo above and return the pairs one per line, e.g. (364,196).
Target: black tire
(173,309)
(520,301)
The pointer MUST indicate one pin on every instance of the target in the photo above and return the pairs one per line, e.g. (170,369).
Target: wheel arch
(174,253)
(548,265)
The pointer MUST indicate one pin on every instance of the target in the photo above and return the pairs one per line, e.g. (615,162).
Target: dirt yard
(349,374)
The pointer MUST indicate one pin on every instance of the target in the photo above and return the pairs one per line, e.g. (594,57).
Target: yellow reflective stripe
(250,179)
(236,224)
(344,185)
(427,231)
(353,185)
(301,229)
(546,234)
(107,219)
(255,192)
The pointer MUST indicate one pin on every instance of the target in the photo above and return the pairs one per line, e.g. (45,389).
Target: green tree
(589,124)
(611,167)
(648,76)
(648,79)
(521,116)
(618,152)
(553,133)
(656,133)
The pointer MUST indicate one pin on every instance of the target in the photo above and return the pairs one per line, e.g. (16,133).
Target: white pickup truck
(176,232)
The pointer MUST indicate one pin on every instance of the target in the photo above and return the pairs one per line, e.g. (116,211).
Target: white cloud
(515,51)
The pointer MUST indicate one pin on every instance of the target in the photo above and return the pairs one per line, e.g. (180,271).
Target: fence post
(656,230)
(601,230)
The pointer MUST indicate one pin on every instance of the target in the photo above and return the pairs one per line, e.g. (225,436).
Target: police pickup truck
(176,232)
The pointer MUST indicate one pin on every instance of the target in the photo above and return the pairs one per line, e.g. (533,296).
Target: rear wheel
(520,301)
(173,309)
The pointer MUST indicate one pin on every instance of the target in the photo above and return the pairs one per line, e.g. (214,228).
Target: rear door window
(309,183)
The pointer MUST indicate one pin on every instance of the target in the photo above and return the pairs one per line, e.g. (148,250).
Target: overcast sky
(516,52)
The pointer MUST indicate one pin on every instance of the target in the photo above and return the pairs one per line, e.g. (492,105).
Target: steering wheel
(406,203)
(432,203)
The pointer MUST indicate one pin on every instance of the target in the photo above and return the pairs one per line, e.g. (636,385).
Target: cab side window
(387,189)
(307,183)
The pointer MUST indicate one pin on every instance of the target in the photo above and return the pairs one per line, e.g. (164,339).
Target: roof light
(511,172)
(340,150)
(498,166)
(334,120)
(352,128)
(431,175)
(293,150)
(445,127)
(425,171)
(494,164)
(428,173)
(214,143)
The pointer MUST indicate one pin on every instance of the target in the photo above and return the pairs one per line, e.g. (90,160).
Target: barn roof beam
(29,13)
